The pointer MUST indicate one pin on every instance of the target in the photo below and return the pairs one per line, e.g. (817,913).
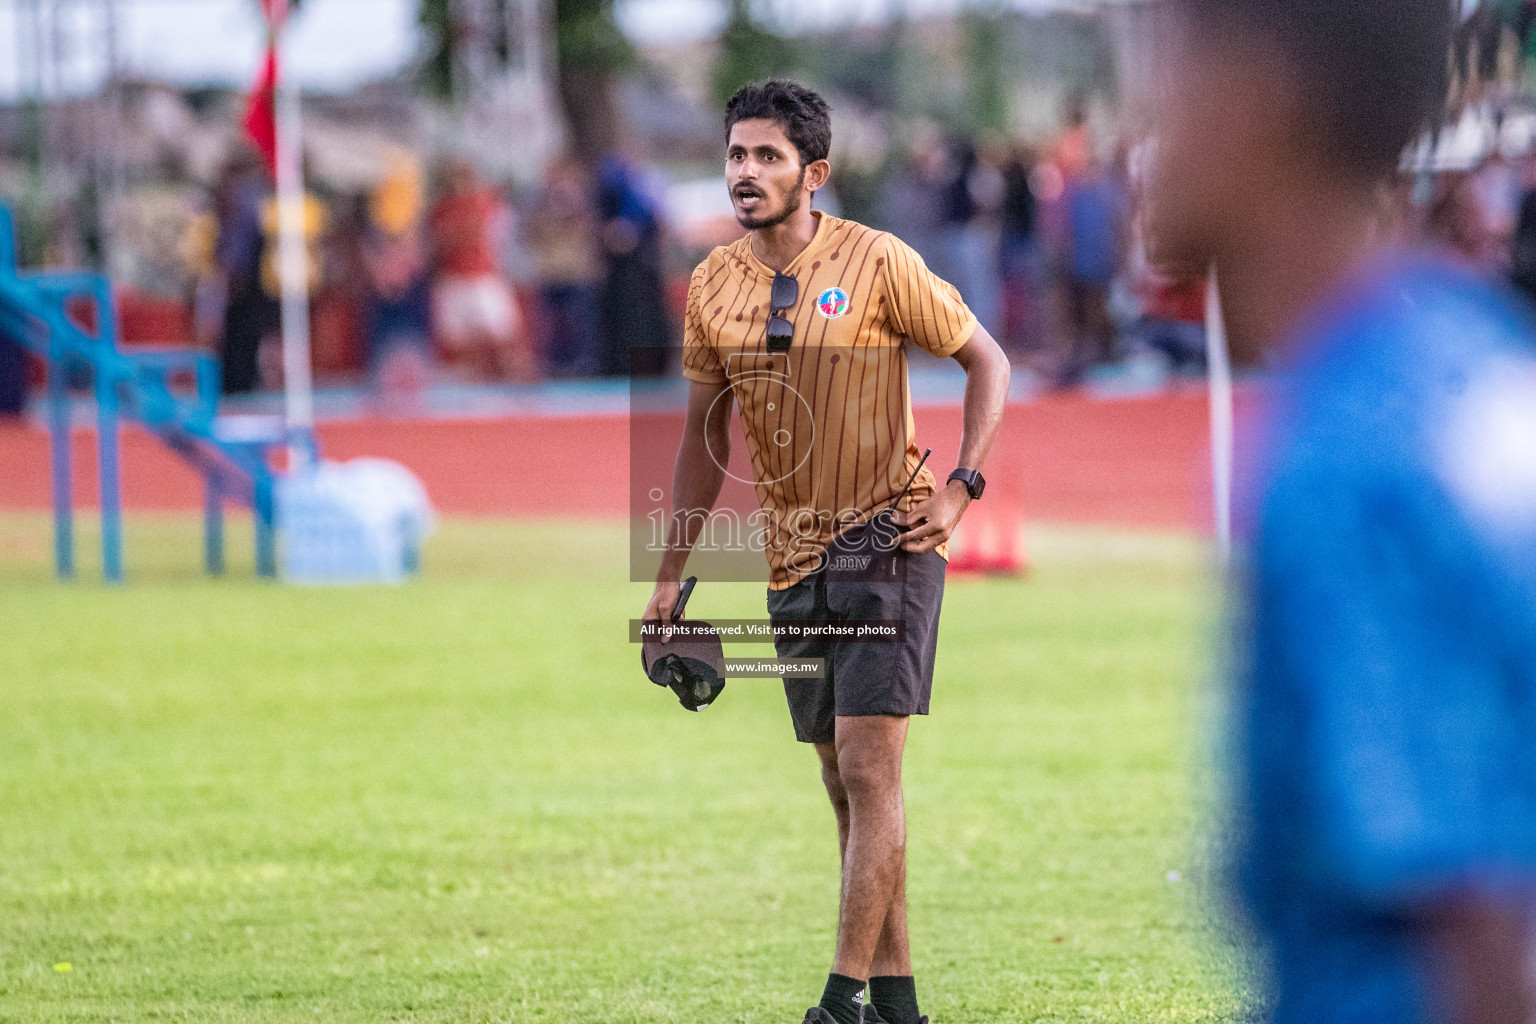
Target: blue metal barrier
(230,453)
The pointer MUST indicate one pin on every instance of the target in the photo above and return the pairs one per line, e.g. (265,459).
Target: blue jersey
(1386,688)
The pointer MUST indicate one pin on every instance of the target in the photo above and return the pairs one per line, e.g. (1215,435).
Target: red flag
(260,112)
(260,109)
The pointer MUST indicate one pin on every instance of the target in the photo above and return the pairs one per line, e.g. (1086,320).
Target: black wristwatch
(974,482)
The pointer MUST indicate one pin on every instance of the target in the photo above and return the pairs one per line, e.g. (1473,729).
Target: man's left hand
(930,522)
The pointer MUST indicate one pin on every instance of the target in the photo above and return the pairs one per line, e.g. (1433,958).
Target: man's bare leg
(862,772)
(893,956)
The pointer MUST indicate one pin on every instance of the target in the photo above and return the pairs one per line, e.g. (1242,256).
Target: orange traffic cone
(990,539)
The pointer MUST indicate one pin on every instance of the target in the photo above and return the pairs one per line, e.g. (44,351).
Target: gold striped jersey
(828,423)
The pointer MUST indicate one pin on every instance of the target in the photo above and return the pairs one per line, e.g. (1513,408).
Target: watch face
(974,482)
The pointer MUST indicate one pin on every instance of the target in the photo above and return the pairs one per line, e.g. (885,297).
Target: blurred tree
(436,18)
(986,76)
(868,69)
(590,51)
(748,52)
(30,203)
(867,75)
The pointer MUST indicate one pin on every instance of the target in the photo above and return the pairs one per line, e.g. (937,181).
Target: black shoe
(869,1015)
(817,1015)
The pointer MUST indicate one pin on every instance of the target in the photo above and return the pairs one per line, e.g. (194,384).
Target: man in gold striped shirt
(804,324)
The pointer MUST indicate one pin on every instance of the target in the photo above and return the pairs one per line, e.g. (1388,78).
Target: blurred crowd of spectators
(455,275)
(1044,242)
(435,273)
(1050,247)
(408,280)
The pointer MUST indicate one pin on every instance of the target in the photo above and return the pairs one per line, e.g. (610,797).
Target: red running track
(1139,462)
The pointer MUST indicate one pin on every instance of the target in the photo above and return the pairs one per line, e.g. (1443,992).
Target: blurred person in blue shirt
(1095,245)
(1385,670)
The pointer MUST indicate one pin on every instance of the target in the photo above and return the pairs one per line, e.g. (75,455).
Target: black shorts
(863,678)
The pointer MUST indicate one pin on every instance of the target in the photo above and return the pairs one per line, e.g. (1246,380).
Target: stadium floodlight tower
(501,61)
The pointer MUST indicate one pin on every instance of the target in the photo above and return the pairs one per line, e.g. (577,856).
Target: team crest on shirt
(832,303)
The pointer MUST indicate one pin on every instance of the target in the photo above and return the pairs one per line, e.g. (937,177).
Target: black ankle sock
(842,998)
(895,998)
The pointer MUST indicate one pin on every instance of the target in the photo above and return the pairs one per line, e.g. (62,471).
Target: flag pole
(1219,375)
(293,257)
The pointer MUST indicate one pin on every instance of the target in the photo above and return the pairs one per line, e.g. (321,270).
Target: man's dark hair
(804,116)
(1373,71)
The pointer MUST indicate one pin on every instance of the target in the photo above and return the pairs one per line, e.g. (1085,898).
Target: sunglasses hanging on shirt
(786,292)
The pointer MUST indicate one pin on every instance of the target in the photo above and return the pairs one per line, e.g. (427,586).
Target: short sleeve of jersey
(921,305)
(701,362)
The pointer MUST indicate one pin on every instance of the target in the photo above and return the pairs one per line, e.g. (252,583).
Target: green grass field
(459,800)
